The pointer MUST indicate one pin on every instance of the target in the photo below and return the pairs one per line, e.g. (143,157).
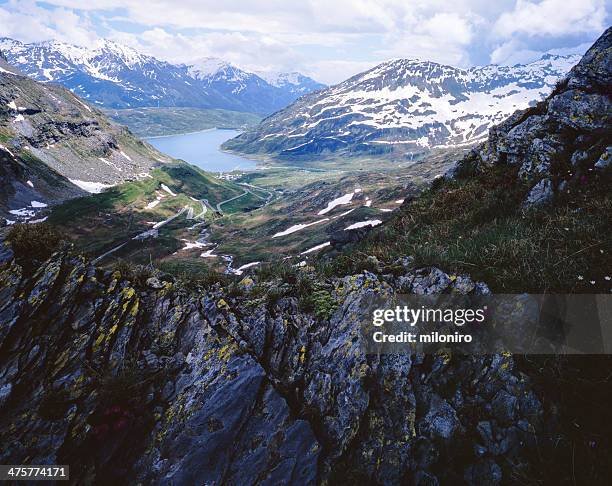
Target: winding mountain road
(246,191)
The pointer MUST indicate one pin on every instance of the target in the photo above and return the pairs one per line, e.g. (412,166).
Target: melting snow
(93,187)
(4,148)
(337,202)
(18,118)
(34,221)
(298,227)
(36,204)
(29,183)
(112,164)
(344,213)
(316,248)
(152,204)
(399,201)
(245,266)
(371,222)
(193,244)
(83,104)
(12,105)
(23,212)
(125,155)
(167,189)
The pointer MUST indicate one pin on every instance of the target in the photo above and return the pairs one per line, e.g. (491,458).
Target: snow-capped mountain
(404,106)
(115,76)
(236,85)
(293,81)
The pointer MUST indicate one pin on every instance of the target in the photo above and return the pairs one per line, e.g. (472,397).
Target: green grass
(478,226)
(183,179)
(99,221)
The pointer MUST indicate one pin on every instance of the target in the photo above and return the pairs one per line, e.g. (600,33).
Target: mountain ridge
(132,375)
(112,75)
(403,106)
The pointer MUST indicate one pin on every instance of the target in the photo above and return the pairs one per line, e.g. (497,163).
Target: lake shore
(202,148)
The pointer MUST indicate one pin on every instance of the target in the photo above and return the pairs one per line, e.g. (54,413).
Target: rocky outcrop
(562,141)
(145,382)
(130,381)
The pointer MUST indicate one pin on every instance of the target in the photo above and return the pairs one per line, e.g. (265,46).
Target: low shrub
(33,243)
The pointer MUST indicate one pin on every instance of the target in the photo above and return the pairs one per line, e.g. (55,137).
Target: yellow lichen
(99,340)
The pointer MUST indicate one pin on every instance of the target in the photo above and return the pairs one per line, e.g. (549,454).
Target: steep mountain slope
(403,106)
(529,209)
(115,76)
(54,143)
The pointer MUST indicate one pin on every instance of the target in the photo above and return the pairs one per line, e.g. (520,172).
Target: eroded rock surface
(162,385)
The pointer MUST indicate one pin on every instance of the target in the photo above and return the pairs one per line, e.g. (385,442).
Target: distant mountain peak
(209,66)
(113,75)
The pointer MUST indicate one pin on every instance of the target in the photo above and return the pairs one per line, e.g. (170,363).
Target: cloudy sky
(329,40)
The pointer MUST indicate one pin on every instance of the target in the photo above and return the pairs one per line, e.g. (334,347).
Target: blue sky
(329,40)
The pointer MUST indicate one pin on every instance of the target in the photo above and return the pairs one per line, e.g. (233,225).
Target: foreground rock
(140,383)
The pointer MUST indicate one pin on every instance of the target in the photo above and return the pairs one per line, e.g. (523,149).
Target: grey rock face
(540,194)
(225,395)
(203,408)
(54,141)
(154,283)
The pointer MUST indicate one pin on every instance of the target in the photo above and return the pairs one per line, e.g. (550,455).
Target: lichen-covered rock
(605,160)
(168,387)
(195,407)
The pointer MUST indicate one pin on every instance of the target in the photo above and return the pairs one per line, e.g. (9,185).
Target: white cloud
(332,72)
(514,52)
(328,39)
(448,26)
(552,18)
(28,22)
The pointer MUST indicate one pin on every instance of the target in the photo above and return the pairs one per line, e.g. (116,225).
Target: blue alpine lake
(203,149)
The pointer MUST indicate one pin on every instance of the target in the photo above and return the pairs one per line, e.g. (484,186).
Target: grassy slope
(477,226)
(150,122)
(100,221)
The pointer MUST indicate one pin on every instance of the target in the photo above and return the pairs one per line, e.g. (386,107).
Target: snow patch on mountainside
(298,227)
(406,106)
